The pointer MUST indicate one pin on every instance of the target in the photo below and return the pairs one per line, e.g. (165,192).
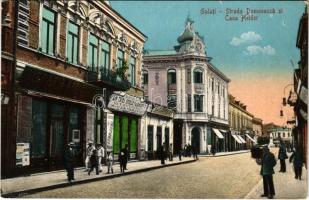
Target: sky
(257,55)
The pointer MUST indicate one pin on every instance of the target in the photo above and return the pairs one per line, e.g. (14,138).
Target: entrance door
(150,142)
(159,137)
(57,134)
(195,138)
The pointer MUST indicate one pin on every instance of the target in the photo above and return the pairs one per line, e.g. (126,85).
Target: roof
(160,52)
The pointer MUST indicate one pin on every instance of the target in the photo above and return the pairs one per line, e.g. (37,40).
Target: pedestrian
(69,161)
(89,150)
(268,163)
(189,150)
(126,156)
(162,154)
(297,159)
(110,162)
(101,152)
(282,156)
(94,162)
(213,150)
(179,154)
(122,160)
(170,151)
(194,151)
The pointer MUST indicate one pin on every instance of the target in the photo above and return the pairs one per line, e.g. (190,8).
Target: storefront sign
(108,131)
(22,154)
(127,104)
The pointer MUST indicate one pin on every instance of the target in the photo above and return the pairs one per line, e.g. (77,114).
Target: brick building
(59,58)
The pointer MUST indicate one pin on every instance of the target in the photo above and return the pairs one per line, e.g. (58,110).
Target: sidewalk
(13,187)
(286,186)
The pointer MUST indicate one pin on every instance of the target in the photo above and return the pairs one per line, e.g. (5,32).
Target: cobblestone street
(211,177)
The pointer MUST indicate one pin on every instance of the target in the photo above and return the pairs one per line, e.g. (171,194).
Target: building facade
(186,81)
(281,133)
(257,126)
(60,76)
(241,125)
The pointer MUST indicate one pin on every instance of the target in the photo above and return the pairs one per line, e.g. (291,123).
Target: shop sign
(22,154)
(108,131)
(128,104)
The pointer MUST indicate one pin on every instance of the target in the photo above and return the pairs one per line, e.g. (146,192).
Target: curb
(254,189)
(224,154)
(62,185)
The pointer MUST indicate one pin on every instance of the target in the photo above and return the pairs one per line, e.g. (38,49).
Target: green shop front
(127,111)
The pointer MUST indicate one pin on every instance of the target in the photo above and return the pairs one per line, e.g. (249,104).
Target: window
(189,75)
(145,78)
(48,31)
(72,43)
(120,58)
(171,76)
(132,70)
(172,102)
(189,103)
(105,55)
(283,134)
(93,52)
(212,84)
(198,76)
(198,103)
(218,88)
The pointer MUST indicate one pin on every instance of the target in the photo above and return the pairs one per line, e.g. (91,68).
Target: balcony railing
(108,77)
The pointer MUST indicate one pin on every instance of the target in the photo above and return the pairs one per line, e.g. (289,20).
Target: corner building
(185,80)
(58,57)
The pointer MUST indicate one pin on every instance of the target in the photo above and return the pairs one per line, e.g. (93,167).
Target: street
(210,177)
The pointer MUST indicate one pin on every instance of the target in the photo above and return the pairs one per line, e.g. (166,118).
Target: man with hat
(268,163)
(89,151)
(100,152)
(69,161)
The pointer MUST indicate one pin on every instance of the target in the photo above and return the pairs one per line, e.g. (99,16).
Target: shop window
(48,29)
(105,55)
(198,103)
(72,43)
(198,76)
(120,58)
(132,70)
(93,52)
(171,76)
(57,130)
(38,130)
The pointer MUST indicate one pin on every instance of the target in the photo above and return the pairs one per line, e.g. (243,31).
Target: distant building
(241,125)
(185,80)
(280,133)
(257,126)
(267,127)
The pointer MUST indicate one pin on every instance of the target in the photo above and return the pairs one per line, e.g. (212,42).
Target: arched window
(171,76)
(198,76)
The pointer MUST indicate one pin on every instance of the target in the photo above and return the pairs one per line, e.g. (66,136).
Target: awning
(236,138)
(242,139)
(218,133)
(223,131)
(250,138)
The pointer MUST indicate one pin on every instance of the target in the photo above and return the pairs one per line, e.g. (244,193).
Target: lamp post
(284,98)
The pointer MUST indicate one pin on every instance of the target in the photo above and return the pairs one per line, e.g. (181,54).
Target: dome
(187,35)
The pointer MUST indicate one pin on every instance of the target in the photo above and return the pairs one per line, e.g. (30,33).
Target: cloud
(255,50)
(246,38)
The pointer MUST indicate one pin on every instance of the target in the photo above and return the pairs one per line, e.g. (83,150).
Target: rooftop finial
(189,19)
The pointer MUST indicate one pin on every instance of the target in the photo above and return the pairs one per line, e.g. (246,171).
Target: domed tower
(190,42)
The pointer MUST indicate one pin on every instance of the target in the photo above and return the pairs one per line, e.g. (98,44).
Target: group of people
(268,162)
(165,152)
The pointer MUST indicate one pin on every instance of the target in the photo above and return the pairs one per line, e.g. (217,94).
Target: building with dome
(185,80)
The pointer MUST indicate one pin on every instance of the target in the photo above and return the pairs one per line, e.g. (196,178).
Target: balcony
(108,77)
(172,89)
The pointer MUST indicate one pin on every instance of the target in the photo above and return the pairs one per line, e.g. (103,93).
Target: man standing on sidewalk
(69,161)
(89,151)
(268,163)
(282,156)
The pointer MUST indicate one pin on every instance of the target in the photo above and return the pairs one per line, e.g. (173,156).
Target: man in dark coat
(94,162)
(268,163)
(162,154)
(282,156)
(297,162)
(69,161)
(122,159)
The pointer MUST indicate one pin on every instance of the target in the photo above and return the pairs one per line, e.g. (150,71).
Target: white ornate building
(184,79)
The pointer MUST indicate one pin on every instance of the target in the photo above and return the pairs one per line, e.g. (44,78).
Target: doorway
(195,138)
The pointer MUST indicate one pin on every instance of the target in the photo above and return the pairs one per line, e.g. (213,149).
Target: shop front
(51,112)
(127,111)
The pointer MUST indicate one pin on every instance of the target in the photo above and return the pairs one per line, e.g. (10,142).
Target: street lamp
(284,98)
